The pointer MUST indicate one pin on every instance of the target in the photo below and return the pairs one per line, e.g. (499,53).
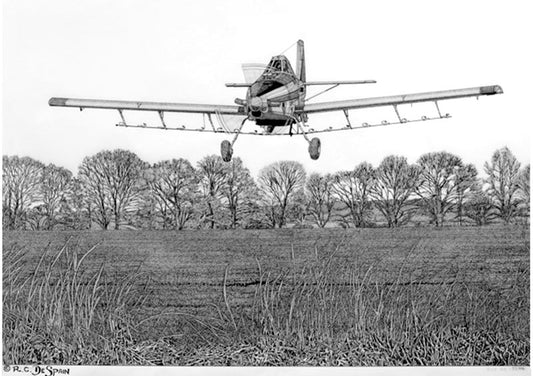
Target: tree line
(116,189)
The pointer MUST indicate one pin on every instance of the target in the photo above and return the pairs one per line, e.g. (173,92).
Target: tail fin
(300,61)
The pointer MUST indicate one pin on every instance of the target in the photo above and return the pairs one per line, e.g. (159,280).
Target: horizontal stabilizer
(313,83)
(232,84)
(359,82)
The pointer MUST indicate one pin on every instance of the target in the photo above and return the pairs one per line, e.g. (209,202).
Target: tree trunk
(233,217)
(177,220)
(211,215)
(281,218)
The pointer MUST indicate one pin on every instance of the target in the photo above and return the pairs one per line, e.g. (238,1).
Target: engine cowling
(258,104)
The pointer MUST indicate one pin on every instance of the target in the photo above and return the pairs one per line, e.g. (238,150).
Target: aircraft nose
(256,102)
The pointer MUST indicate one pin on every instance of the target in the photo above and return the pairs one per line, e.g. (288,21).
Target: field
(408,296)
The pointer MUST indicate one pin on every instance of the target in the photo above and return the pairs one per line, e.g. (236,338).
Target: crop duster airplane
(276,102)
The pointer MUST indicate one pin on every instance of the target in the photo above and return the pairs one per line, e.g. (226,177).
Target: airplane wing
(147,106)
(395,100)
(220,118)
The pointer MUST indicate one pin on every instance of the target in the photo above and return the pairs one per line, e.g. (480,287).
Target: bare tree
(174,186)
(80,206)
(523,186)
(238,190)
(503,179)
(114,180)
(395,183)
(437,184)
(320,197)
(298,210)
(20,189)
(146,216)
(353,189)
(92,178)
(466,182)
(279,181)
(211,175)
(478,207)
(53,190)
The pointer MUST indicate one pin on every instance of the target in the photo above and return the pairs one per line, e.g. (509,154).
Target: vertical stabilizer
(300,61)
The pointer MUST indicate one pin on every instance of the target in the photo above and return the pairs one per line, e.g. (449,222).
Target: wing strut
(211,122)
(347,118)
(402,120)
(162,119)
(438,110)
(122,116)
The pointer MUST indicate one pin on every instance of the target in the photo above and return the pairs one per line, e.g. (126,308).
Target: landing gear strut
(226,147)
(314,143)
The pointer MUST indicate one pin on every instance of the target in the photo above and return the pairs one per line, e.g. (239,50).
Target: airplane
(276,101)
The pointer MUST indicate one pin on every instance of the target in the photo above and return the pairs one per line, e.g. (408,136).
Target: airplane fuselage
(272,99)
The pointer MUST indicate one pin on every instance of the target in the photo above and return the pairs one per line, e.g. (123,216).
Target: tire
(226,150)
(314,148)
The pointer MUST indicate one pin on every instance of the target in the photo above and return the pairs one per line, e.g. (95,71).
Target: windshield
(252,71)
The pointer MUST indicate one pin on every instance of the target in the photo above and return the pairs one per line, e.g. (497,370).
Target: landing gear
(314,143)
(314,148)
(226,147)
(226,150)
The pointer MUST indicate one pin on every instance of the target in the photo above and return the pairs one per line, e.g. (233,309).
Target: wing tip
(491,90)
(57,101)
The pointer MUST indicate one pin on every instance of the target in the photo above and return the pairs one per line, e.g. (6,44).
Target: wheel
(314,148)
(226,150)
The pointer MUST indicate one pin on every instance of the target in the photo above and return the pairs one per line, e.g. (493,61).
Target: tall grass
(324,312)
(332,313)
(63,312)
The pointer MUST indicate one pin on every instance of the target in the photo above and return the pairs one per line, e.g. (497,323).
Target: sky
(185,51)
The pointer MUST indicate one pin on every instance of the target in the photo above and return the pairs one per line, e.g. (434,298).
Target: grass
(62,314)
(311,317)
(68,306)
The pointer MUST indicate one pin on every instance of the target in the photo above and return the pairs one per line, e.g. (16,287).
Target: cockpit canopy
(279,64)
